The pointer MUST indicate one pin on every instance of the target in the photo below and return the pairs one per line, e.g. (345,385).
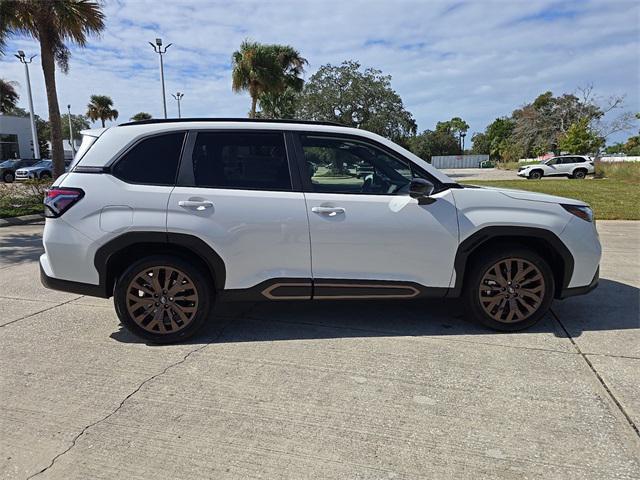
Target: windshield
(43,164)
(8,163)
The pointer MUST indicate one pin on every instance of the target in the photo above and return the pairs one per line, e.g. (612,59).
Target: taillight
(58,200)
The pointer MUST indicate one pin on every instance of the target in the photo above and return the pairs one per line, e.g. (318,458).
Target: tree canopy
(266,69)
(8,95)
(141,116)
(100,108)
(361,99)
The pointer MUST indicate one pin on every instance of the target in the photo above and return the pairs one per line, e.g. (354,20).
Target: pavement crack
(122,403)
(598,376)
(39,311)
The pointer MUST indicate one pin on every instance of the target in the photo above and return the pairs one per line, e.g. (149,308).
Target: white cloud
(476,60)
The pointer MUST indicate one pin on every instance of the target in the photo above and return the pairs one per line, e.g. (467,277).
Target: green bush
(22,199)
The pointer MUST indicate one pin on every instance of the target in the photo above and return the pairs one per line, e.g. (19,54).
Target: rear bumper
(71,287)
(572,292)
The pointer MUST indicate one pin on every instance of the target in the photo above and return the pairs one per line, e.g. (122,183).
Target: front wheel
(163,299)
(8,177)
(510,289)
(535,175)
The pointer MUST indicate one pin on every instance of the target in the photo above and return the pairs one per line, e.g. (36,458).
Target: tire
(45,175)
(183,314)
(8,177)
(535,175)
(579,174)
(492,306)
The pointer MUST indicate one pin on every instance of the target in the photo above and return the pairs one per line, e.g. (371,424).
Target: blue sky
(477,60)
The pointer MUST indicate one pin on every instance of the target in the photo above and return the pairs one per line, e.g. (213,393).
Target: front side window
(153,161)
(340,165)
(251,161)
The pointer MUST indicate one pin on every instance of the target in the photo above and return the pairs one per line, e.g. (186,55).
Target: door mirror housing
(420,189)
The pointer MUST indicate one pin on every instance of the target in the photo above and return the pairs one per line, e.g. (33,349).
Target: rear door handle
(330,211)
(195,205)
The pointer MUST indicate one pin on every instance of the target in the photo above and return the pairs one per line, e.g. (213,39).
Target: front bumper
(572,292)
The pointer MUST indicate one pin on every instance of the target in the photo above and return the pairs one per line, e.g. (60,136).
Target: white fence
(458,161)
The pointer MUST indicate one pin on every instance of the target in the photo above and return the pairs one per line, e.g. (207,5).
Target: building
(15,137)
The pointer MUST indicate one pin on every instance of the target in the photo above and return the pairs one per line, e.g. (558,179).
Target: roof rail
(245,120)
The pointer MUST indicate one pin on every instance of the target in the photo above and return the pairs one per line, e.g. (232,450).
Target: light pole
(178,96)
(34,133)
(157,47)
(73,147)
(462,135)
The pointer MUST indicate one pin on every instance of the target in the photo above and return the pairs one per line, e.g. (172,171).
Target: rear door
(235,191)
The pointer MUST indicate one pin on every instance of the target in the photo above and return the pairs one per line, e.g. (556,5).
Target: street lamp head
(159,42)
(20,54)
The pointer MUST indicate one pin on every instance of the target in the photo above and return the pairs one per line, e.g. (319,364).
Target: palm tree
(141,116)
(8,95)
(261,69)
(99,108)
(52,23)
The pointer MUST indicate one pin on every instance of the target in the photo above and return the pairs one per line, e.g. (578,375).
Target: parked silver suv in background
(572,166)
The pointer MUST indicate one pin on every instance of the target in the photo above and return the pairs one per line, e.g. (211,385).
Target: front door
(368,237)
(235,192)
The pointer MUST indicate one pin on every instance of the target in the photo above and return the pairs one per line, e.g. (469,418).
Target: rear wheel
(45,175)
(535,175)
(580,174)
(163,299)
(8,177)
(510,289)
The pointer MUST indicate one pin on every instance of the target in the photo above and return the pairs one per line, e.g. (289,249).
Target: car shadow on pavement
(613,306)
(20,247)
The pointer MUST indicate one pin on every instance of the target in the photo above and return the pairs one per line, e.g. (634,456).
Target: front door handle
(195,205)
(330,211)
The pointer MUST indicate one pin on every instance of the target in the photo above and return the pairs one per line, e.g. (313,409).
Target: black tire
(199,283)
(8,177)
(45,175)
(579,174)
(482,265)
(535,175)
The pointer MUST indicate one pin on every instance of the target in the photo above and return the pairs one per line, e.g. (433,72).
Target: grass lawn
(610,198)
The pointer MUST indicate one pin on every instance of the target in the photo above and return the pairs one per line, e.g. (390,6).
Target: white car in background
(572,166)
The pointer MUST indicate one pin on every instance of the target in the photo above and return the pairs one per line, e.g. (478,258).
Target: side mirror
(421,189)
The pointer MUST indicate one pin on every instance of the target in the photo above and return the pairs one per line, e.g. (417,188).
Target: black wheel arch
(114,256)
(544,242)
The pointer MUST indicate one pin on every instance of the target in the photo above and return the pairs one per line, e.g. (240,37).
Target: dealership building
(15,137)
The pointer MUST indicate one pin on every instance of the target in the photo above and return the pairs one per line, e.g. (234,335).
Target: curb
(23,220)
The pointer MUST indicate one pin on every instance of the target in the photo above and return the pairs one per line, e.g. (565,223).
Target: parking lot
(351,390)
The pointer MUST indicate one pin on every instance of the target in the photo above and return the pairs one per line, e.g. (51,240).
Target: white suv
(572,166)
(169,217)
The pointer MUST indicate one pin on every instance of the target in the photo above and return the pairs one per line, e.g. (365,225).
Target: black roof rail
(244,120)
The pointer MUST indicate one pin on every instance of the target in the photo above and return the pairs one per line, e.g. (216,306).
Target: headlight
(582,211)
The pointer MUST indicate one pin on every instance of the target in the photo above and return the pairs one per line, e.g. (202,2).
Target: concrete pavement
(362,390)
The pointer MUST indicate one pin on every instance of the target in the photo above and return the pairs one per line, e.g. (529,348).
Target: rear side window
(153,161)
(251,161)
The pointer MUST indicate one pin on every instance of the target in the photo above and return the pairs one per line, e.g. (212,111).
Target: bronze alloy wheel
(511,290)
(162,299)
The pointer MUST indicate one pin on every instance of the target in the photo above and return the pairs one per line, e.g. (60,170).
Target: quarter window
(153,161)
(340,165)
(251,161)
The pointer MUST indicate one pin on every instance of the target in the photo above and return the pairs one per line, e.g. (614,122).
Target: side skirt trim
(330,289)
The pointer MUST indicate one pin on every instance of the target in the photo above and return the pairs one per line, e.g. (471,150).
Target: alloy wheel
(162,299)
(511,290)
